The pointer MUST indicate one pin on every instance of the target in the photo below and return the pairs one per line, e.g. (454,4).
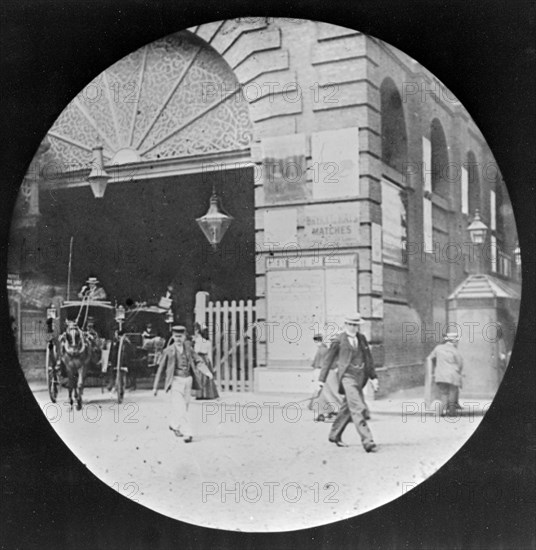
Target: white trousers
(180,396)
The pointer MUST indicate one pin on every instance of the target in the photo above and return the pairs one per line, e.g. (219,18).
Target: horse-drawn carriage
(81,343)
(146,330)
(92,338)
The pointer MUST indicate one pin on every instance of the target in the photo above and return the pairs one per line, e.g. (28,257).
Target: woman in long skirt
(203,348)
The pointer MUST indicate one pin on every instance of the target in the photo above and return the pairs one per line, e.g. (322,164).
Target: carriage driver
(92,291)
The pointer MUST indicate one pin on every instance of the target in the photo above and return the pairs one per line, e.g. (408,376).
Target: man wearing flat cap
(447,365)
(350,354)
(181,365)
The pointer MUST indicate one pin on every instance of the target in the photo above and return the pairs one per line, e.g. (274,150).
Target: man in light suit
(350,354)
(181,364)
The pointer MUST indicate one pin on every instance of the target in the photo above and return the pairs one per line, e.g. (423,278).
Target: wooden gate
(231,327)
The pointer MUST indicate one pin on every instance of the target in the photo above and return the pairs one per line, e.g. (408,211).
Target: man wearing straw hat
(350,354)
(91,291)
(181,365)
(447,365)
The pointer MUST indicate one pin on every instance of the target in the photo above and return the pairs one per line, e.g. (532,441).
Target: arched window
(473,184)
(440,159)
(394,136)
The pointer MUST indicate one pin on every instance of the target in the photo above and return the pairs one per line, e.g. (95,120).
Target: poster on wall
(335,165)
(330,226)
(295,307)
(284,169)
(305,301)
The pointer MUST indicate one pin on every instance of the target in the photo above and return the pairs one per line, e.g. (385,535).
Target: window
(473,183)
(394,136)
(439,166)
(394,218)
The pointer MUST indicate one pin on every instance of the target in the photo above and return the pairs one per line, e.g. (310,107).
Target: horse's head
(74,338)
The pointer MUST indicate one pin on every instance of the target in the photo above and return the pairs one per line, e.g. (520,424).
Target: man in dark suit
(181,365)
(350,354)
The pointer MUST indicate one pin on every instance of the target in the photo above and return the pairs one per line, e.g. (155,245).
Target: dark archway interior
(394,135)
(143,235)
(440,159)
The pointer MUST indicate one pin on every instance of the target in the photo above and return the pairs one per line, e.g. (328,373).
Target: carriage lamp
(52,312)
(120,316)
(477,229)
(169,319)
(215,222)
(517,255)
(98,177)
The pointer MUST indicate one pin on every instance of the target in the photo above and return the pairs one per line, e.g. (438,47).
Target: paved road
(256,466)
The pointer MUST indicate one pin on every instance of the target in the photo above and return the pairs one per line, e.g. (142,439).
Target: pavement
(258,462)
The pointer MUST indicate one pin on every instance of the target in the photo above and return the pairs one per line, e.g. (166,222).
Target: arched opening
(473,183)
(440,159)
(394,135)
(167,116)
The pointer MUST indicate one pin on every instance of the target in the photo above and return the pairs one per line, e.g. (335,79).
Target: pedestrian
(350,354)
(446,367)
(181,365)
(326,402)
(203,348)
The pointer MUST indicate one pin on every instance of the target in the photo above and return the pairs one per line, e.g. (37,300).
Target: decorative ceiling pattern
(173,98)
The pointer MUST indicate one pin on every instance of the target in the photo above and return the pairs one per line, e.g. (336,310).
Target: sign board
(284,169)
(33,332)
(335,168)
(14,282)
(330,225)
(281,227)
(302,301)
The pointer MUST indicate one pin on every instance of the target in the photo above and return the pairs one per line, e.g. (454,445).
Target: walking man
(447,365)
(181,365)
(350,354)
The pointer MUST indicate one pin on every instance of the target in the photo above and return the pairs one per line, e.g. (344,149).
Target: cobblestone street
(257,462)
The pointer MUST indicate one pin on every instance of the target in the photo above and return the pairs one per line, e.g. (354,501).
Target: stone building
(351,173)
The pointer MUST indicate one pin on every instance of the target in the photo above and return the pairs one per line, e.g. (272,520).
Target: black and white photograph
(264,275)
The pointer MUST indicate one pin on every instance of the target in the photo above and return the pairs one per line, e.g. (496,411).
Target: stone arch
(175,97)
(393,126)
(440,159)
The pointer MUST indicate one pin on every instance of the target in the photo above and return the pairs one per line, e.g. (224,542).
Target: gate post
(201,303)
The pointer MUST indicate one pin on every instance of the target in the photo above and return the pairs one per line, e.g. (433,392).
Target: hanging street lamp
(215,222)
(98,177)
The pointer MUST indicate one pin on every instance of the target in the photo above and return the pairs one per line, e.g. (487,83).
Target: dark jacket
(340,354)
(168,361)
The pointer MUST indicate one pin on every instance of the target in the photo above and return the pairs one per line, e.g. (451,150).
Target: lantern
(477,229)
(98,177)
(215,222)
(52,312)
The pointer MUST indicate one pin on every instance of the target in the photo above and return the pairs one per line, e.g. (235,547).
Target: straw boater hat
(451,336)
(178,329)
(354,319)
(92,280)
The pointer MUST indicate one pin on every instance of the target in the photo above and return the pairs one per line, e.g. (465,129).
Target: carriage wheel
(53,382)
(120,375)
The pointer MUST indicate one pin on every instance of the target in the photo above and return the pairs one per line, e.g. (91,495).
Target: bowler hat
(178,329)
(318,338)
(354,319)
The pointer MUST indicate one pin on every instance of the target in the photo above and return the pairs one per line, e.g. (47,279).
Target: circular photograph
(253,260)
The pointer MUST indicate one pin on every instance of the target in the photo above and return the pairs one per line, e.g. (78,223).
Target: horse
(76,354)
